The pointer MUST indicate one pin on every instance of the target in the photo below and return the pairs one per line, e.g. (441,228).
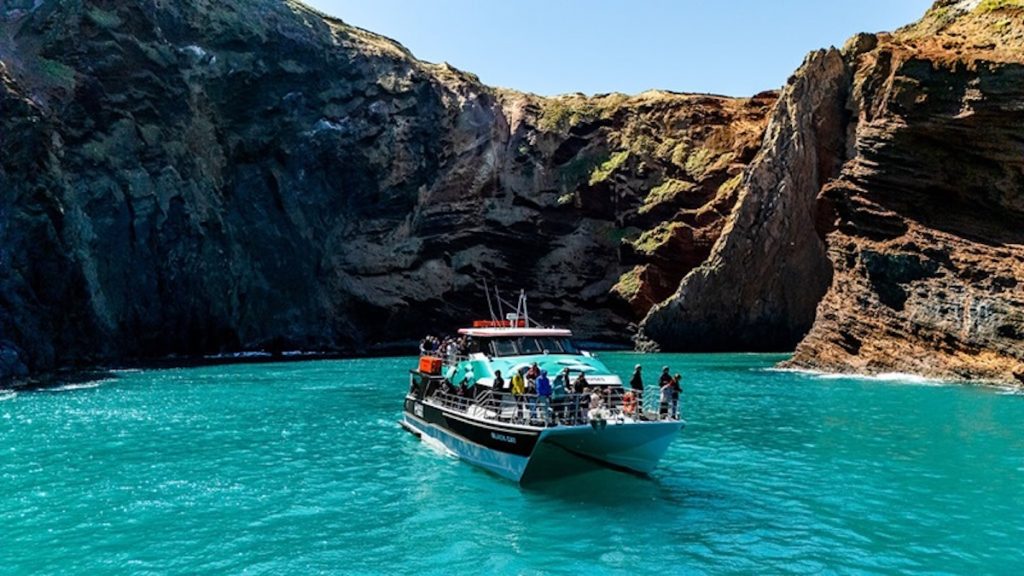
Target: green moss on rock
(698,162)
(651,241)
(630,283)
(667,191)
(606,169)
(993,5)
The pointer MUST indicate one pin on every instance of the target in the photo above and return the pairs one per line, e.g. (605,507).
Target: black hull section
(493,435)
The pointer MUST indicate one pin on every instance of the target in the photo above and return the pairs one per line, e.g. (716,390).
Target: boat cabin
(502,342)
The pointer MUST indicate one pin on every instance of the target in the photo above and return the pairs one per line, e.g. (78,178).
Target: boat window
(529,345)
(568,346)
(503,347)
(550,345)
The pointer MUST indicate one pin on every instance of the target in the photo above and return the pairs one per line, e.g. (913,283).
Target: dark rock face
(193,178)
(202,177)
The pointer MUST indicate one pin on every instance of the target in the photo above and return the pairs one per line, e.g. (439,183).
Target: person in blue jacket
(544,395)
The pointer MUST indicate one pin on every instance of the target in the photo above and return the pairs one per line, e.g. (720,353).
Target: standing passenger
(518,390)
(637,384)
(544,395)
(676,390)
(498,390)
(665,385)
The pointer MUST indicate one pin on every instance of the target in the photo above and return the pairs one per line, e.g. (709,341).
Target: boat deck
(532,410)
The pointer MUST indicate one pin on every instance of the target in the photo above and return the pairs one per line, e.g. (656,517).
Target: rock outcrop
(891,181)
(191,178)
(927,230)
(768,271)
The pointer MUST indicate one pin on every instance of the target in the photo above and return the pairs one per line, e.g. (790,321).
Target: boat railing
(561,409)
(446,359)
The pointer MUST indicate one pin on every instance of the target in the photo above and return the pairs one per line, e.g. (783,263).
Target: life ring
(629,403)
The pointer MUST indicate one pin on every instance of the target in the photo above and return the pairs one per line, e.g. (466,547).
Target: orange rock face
(885,211)
(927,229)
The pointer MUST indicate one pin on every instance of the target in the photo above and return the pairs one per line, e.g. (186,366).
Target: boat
(586,423)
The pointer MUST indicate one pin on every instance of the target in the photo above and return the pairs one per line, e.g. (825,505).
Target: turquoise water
(300,469)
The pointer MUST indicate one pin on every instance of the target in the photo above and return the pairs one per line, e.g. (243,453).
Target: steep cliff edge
(203,177)
(768,271)
(927,238)
(891,181)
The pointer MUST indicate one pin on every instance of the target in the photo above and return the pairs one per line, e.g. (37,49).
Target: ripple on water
(298,468)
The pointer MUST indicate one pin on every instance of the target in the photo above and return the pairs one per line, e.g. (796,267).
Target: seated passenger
(597,414)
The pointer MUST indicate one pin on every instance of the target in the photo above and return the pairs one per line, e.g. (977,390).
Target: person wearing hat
(637,384)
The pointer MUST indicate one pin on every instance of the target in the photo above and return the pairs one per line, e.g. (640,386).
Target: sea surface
(300,468)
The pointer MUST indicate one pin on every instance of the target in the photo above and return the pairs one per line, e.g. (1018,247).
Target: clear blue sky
(736,47)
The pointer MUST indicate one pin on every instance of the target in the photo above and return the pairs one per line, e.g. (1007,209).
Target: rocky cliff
(204,177)
(201,177)
(890,181)
(926,218)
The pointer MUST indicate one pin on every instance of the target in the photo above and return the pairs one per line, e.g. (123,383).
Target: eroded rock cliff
(202,177)
(927,230)
(891,181)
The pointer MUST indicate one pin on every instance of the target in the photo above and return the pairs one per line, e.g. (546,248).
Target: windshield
(526,345)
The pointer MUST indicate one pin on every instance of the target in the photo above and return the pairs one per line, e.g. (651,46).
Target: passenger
(676,390)
(447,392)
(544,395)
(518,391)
(637,384)
(533,372)
(665,378)
(498,392)
(629,403)
(596,414)
(665,385)
(579,390)
(562,396)
(581,383)
(424,344)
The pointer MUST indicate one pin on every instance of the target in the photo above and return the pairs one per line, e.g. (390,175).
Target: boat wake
(8,395)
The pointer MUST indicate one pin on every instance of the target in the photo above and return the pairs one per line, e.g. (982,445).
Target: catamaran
(572,413)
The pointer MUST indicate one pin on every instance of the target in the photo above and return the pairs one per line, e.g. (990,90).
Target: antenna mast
(487,293)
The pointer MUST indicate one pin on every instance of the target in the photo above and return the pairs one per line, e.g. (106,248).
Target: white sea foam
(895,377)
(80,386)
(232,355)
(436,445)
(8,395)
